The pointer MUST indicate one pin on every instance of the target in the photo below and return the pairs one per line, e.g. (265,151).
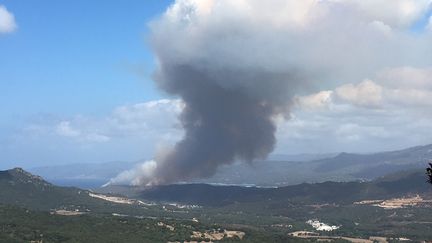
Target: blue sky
(81,57)
(64,59)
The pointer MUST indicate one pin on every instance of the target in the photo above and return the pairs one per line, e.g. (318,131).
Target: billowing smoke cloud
(221,124)
(237,65)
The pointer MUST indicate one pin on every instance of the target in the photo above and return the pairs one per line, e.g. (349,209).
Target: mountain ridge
(341,167)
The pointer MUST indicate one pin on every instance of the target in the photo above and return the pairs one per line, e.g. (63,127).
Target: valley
(397,206)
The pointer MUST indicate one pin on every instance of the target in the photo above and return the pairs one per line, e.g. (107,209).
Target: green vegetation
(21,225)
(29,207)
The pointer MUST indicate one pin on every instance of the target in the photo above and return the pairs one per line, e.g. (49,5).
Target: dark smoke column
(221,125)
(231,83)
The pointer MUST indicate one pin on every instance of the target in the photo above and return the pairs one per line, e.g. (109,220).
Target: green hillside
(17,187)
(29,210)
(20,188)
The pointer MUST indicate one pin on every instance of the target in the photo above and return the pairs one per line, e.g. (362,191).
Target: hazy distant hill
(300,157)
(342,167)
(276,172)
(82,175)
(373,165)
(394,185)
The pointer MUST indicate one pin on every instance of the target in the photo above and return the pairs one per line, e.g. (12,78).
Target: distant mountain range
(277,171)
(300,157)
(393,185)
(83,175)
(342,167)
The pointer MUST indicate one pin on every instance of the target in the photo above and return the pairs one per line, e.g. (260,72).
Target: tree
(429,173)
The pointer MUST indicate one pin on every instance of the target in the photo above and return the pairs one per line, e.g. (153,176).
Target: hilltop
(19,187)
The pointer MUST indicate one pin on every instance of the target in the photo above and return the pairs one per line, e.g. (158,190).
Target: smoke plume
(237,65)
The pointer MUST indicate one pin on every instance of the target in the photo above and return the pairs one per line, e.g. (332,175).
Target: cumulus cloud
(366,93)
(429,25)
(155,119)
(144,117)
(128,133)
(395,13)
(7,21)
(406,77)
(65,129)
(391,110)
(319,100)
(401,88)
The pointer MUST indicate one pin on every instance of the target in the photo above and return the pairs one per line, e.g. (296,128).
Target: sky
(76,81)
(62,60)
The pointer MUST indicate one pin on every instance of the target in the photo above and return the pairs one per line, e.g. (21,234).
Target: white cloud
(406,77)
(156,120)
(366,93)
(7,21)
(396,13)
(391,111)
(64,129)
(402,88)
(319,100)
(407,86)
(429,25)
(145,116)
(380,26)
(412,98)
